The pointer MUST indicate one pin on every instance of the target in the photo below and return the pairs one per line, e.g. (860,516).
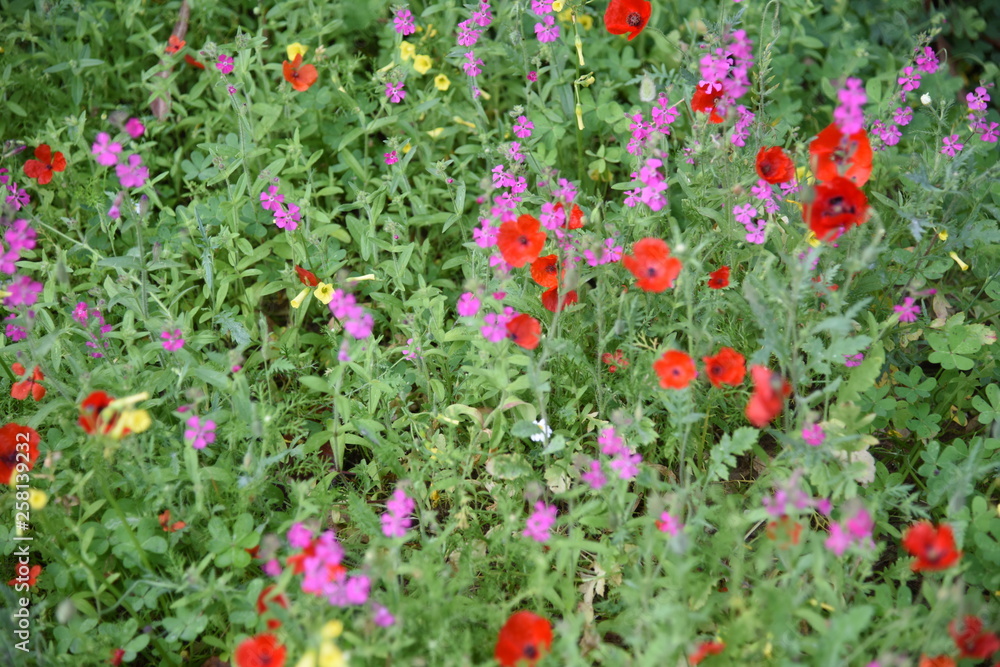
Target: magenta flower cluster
(98,329)
(321,565)
(357,323)
(285,217)
(662,116)
(653,190)
(16,197)
(540,522)
(396,520)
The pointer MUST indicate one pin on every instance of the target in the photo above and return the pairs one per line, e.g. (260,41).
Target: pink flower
(287,219)
(468,305)
(106,150)
(391,158)
(135,128)
(989,133)
(396,521)
(928,61)
(225,64)
(951,145)
(594,477)
(547,30)
(395,92)
(23,292)
(848,115)
(541,7)
(299,536)
(540,521)
(744,214)
(471,64)
(132,175)
(467,35)
(908,312)
(910,80)
(814,435)
(667,523)
(172,341)
(532,76)
(903,116)
(383,617)
(271,200)
(853,360)
(199,433)
(403,21)
(523,127)
(80,312)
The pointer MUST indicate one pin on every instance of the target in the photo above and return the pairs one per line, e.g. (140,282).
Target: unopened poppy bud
(647,89)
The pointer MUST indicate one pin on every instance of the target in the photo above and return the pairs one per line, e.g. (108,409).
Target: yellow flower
(435,133)
(406,50)
(943,235)
(962,265)
(296,49)
(462,121)
(586,21)
(563,16)
(406,148)
(307,660)
(332,630)
(37,499)
(422,63)
(324,293)
(557,6)
(297,301)
(6,294)
(330,655)
(135,421)
(812,240)
(442,83)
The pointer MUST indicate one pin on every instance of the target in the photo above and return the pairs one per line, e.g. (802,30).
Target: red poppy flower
(652,264)
(521,240)
(174,44)
(264,598)
(933,547)
(972,642)
(706,649)
(260,651)
(575,216)
(308,278)
(523,639)
(938,661)
(726,367)
(90,414)
(675,369)
(299,75)
(20,390)
(704,99)
(719,278)
(785,531)
(774,166)
(627,16)
(116,657)
(18,445)
(44,164)
(192,62)
(832,154)
(545,271)
(614,360)
(165,524)
(837,205)
(768,399)
(31,579)
(550,299)
(524,331)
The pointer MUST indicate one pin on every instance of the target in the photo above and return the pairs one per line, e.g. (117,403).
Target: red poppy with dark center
(21,390)
(575,216)
(627,16)
(192,62)
(832,154)
(675,369)
(837,205)
(652,264)
(116,657)
(550,299)
(545,271)
(262,601)
(706,649)
(774,166)
(520,241)
(614,360)
(768,399)
(523,639)
(299,75)
(727,367)
(31,579)
(719,278)
(933,547)
(45,164)
(524,331)
(174,44)
(90,414)
(307,278)
(18,445)
(260,651)
(704,99)
(165,524)
(972,642)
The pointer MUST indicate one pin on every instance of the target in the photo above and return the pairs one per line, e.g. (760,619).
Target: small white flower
(925,99)
(545,431)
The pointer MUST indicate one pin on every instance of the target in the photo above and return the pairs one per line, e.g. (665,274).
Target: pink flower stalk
(396,520)
(105,150)
(848,115)
(172,341)
(199,433)
(132,175)
(540,522)
(394,91)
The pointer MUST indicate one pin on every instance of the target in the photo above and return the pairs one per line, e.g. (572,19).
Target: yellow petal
(37,499)
(943,235)
(135,421)
(422,63)
(297,301)
(435,133)
(307,660)
(296,49)
(962,265)
(442,83)
(557,6)
(406,50)
(330,655)
(324,293)
(332,629)
(586,21)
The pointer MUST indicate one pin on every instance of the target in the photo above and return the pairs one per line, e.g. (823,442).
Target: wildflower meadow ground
(534,332)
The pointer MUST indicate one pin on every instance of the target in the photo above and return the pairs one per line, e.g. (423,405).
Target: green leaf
(723,455)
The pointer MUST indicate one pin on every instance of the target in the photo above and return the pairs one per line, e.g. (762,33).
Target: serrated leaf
(723,455)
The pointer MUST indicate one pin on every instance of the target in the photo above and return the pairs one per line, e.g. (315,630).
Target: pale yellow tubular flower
(462,121)
(332,629)
(442,83)
(296,49)
(331,656)
(297,301)
(308,659)
(324,292)
(422,63)
(962,265)
(435,133)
